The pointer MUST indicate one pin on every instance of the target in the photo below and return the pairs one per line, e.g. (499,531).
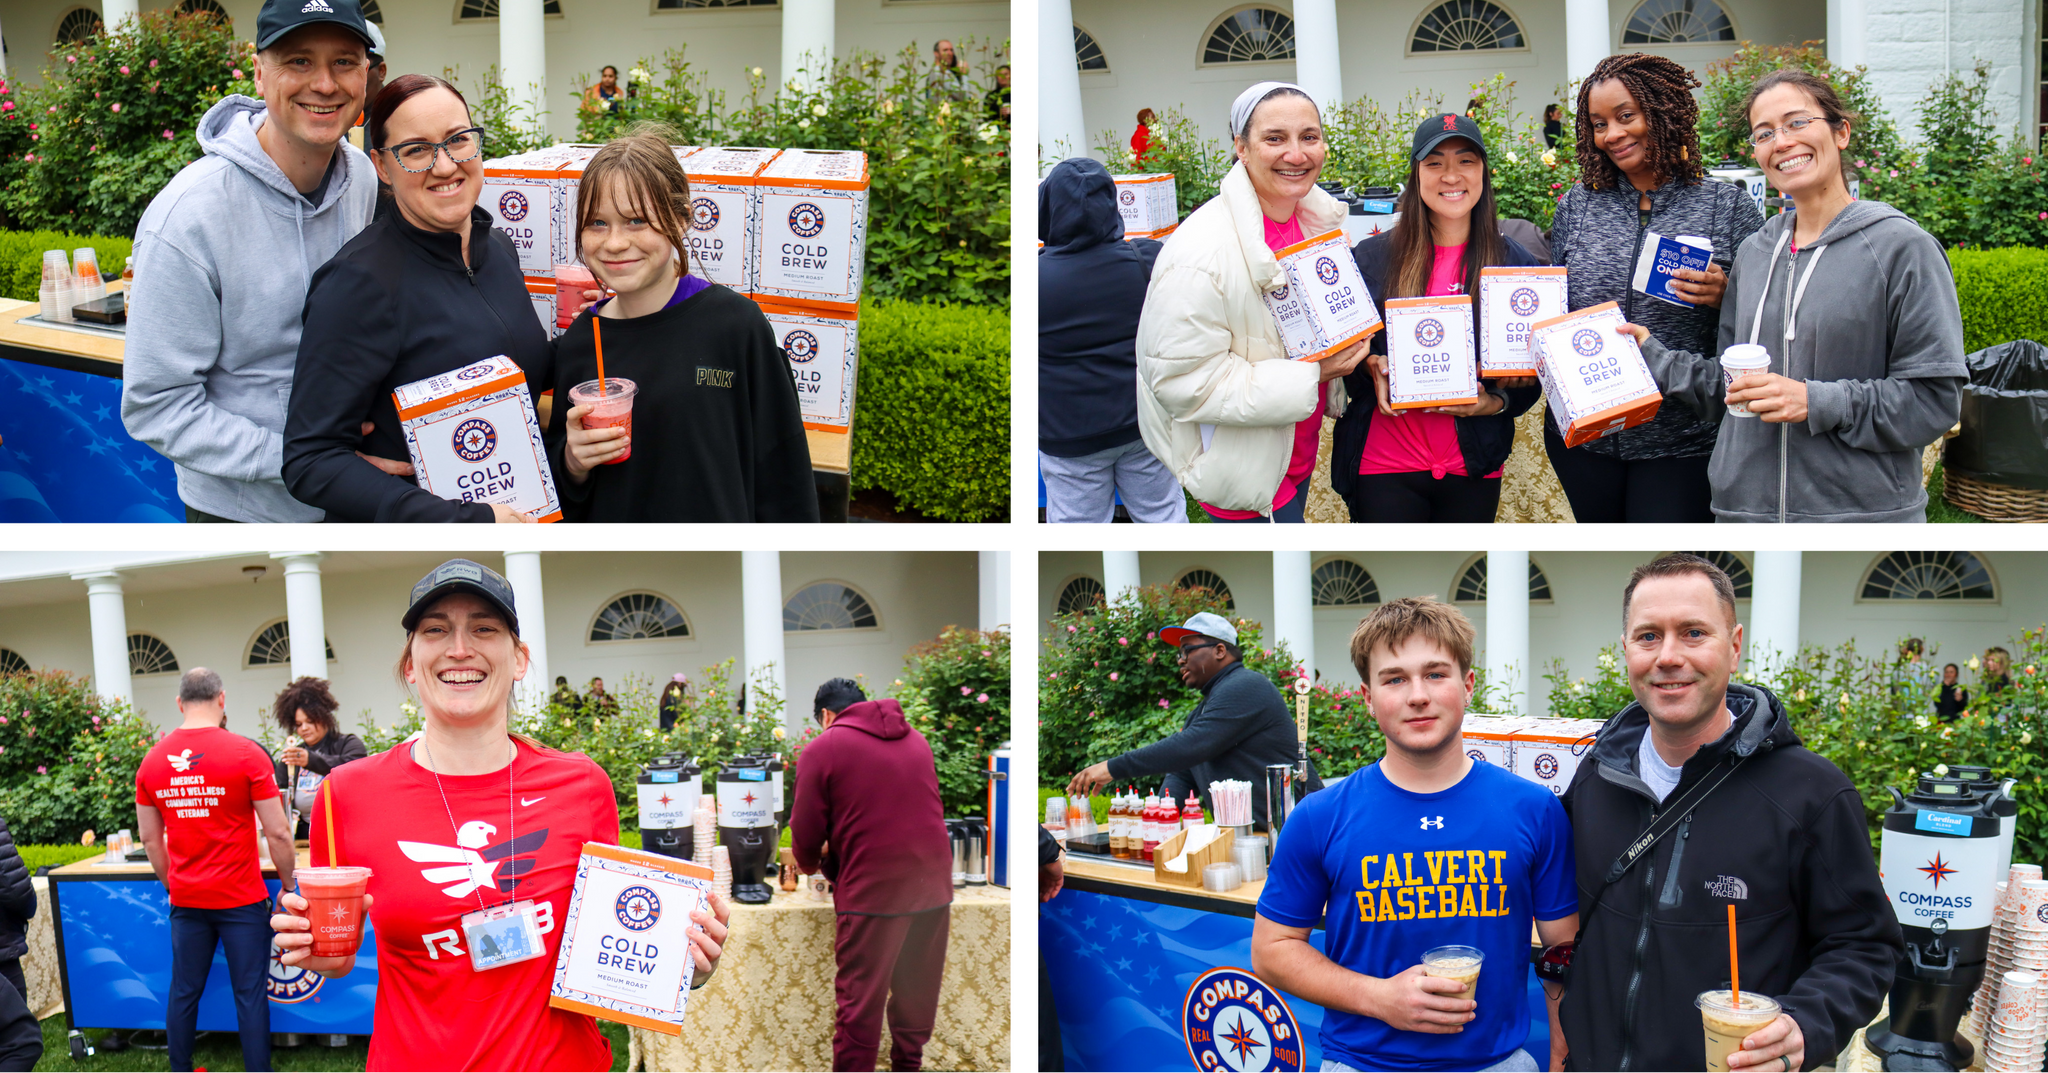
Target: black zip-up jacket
(1091,288)
(1783,840)
(17,898)
(396,305)
(1241,726)
(1484,441)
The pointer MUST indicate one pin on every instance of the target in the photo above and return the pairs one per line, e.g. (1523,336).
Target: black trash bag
(2004,439)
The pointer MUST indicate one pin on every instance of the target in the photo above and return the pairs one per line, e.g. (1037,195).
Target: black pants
(1604,489)
(193,515)
(1422,497)
(244,934)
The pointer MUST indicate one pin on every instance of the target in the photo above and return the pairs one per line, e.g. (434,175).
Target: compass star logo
(475,439)
(1938,870)
(750,798)
(665,800)
(1232,1020)
(1240,1040)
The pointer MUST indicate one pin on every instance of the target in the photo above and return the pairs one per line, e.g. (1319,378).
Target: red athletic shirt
(205,784)
(434,1010)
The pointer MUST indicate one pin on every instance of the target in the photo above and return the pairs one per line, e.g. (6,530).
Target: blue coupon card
(1661,259)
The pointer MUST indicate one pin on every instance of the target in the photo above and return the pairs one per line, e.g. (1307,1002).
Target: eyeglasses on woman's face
(462,147)
(1764,137)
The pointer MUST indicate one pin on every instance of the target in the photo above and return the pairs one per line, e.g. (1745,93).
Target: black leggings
(1422,497)
(1604,489)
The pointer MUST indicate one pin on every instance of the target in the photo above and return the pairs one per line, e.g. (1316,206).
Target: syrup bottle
(1169,816)
(1151,824)
(1116,824)
(1191,813)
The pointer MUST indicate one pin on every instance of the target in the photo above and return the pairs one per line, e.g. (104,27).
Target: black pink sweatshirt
(717,432)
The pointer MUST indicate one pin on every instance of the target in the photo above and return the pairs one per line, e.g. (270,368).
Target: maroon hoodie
(867,789)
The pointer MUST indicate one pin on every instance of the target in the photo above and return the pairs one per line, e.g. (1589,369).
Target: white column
(761,629)
(1845,32)
(3,63)
(1316,67)
(522,571)
(1119,574)
(305,613)
(523,58)
(1294,621)
(1507,629)
(995,590)
(109,612)
(1062,132)
(112,12)
(807,35)
(1586,37)
(1773,609)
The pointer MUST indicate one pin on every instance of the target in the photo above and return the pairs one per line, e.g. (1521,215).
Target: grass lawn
(1939,509)
(222,1051)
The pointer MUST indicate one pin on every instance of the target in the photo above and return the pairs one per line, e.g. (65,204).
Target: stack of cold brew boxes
(785,227)
(1541,749)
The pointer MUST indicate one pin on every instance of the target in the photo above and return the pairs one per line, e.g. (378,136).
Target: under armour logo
(1439,825)
(1450,121)
(1728,887)
(316,5)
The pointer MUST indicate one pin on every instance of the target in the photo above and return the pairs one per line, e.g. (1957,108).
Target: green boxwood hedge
(57,856)
(21,257)
(932,416)
(2004,295)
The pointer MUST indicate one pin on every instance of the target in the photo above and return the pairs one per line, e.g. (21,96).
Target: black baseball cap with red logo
(1439,129)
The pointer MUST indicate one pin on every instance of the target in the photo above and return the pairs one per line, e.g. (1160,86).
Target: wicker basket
(1994,502)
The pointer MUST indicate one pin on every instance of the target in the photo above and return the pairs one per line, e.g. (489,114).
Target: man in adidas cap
(223,256)
(1240,726)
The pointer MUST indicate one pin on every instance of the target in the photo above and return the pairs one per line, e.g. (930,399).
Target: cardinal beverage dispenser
(668,790)
(746,826)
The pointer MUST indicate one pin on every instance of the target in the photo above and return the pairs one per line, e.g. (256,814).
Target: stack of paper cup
(721,871)
(2003,952)
(2017,1025)
(706,831)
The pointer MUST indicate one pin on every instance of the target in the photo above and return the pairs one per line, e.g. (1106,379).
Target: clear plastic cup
(1741,360)
(86,264)
(1727,1024)
(570,283)
(334,903)
(613,408)
(56,267)
(1459,963)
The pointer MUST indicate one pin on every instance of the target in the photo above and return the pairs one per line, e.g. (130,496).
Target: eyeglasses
(1763,137)
(461,147)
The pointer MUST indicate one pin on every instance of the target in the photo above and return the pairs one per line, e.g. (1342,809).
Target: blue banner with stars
(66,457)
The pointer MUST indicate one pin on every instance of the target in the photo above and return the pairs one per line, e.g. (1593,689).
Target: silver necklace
(511,820)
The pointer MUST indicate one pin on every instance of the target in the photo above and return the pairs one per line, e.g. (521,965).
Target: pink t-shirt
(1308,432)
(1410,442)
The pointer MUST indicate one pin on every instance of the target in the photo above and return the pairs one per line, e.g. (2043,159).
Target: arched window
(1929,575)
(638,616)
(78,24)
(1081,593)
(1677,22)
(273,647)
(682,5)
(1203,578)
(372,12)
(1343,583)
(488,9)
(12,663)
(206,7)
(148,655)
(828,605)
(1732,565)
(1465,25)
(1250,35)
(1471,585)
(1087,52)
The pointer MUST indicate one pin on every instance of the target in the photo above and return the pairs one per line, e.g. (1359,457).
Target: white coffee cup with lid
(1741,360)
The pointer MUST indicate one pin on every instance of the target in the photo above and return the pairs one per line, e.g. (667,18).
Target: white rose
(1513,159)
(803,123)
(818,110)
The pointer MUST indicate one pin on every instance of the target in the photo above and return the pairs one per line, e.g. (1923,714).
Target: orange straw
(1734,968)
(598,338)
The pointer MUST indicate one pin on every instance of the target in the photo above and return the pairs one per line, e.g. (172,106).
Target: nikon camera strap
(1662,825)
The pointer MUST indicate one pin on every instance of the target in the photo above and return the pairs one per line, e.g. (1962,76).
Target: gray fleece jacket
(223,257)
(1877,335)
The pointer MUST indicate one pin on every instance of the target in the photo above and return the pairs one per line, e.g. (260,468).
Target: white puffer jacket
(1218,399)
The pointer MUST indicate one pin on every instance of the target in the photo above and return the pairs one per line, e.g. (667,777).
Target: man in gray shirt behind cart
(1240,727)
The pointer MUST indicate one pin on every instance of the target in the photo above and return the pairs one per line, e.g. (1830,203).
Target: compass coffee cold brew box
(1594,378)
(1147,205)
(813,232)
(1429,352)
(1512,299)
(473,437)
(1333,310)
(626,939)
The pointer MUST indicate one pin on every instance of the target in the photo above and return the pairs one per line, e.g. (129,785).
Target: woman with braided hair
(1641,171)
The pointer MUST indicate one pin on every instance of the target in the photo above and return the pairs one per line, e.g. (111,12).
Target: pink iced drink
(334,903)
(612,409)
(570,283)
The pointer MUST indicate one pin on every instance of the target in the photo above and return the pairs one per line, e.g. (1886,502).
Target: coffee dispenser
(668,790)
(1939,863)
(746,826)
(1999,792)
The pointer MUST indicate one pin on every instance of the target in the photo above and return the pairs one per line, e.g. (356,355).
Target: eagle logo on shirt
(473,863)
(181,762)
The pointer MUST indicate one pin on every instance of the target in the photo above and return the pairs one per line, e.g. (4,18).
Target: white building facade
(1959,603)
(1135,54)
(132,622)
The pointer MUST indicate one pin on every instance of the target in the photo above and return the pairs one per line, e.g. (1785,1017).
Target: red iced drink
(334,903)
(613,408)
(570,283)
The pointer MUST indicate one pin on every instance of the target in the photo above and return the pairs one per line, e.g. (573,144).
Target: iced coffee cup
(610,408)
(1738,361)
(570,283)
(1460,963)
(1727,1024)
(334,903)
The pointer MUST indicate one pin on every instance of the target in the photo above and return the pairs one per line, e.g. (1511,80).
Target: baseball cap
(461,575)
(1205,624)
(376,40)
(280,17)
(1439,129)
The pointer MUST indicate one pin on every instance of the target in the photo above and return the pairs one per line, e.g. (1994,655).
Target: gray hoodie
(1878,337)
(223,257)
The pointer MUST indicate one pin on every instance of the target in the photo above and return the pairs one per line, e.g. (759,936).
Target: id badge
(503,935)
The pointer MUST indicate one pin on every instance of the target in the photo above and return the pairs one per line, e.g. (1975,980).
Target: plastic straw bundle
(1233,798)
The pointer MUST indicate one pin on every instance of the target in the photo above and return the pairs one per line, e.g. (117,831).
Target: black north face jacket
(1783,839)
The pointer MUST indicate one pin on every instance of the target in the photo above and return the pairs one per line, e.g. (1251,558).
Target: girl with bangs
(717,434)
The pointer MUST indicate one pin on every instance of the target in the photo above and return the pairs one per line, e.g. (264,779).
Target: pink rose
(2027,160)
(124,68)
(42,770)
(237,72)
(964,690)
(1112,676)
(2044,216)
(8,107)
(167,132)
(1124,641)
(1894,173)
(1861,164)
(116,106)
(1070,629)
(152,63)
(981,699)
(1162,702)
(70,59)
